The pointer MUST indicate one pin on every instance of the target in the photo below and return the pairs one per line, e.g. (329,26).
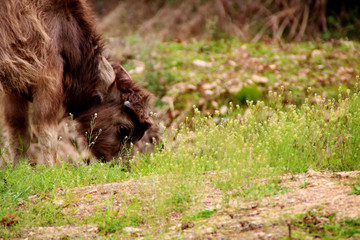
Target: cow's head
(121,116)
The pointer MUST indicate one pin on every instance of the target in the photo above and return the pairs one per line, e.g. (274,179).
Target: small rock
(92,229)
(59,202)
(232,63)
(273,66)
(316,53)
(131,229)
(201,63)
(205,230)
(186,225)
(261,235)
(259,79)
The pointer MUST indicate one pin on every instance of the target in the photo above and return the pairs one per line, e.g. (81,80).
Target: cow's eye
(124,131)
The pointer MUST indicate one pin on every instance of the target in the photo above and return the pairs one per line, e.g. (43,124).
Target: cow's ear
(122,74)
(122,84)
(107,78)
(107,73)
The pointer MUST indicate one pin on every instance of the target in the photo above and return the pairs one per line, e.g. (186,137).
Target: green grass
(242,148)
(241,71)
(239,152)
(201,215)
(355,190)
(314,225)
(112,223)
(17,184)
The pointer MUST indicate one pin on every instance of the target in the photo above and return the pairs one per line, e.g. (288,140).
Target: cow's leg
(46,108)
(16,110)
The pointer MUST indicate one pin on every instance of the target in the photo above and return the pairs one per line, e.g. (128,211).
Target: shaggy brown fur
(51,56)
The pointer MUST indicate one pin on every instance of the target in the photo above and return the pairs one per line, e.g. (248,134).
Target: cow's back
(38,35)
(23,44)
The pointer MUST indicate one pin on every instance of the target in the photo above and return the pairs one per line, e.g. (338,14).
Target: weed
(201,215)
(241,148)
(305,185)
(113,223)
(91,136)
(327,228)
(239,71)
(355,190)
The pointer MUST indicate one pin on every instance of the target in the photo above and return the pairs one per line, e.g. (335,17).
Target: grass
(240,149)
(245,156)
(239,71)
(202,214)
(355,190)
(18,184)
(318,226)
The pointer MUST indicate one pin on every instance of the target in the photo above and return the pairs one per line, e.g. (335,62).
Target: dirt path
(322,192)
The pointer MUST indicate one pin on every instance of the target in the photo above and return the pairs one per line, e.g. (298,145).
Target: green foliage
(248,94)
(355,190)
(111,223)
(201,215)
(303,121)
(238,71)
(180,198)
(342,25)
(17,184)
(243,155)
(327,228)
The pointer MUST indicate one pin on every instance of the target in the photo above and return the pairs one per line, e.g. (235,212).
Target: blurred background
(208,53)
(249,20)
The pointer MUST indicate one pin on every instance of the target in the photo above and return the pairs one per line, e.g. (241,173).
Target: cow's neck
(81,80)
(81,52)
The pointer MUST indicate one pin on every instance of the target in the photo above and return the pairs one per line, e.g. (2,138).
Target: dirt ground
(269,218)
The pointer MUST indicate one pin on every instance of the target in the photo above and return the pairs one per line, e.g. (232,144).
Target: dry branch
(246,19)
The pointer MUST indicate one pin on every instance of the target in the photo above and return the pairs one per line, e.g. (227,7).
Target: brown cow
(52,57)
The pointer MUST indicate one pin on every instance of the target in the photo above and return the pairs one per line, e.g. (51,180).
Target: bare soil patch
(324,192)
